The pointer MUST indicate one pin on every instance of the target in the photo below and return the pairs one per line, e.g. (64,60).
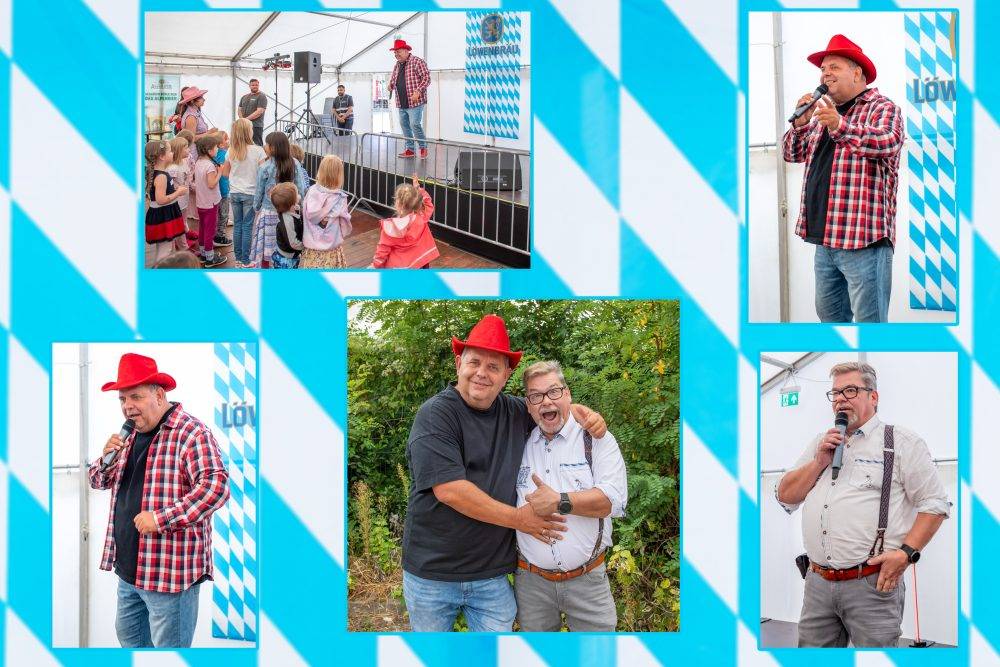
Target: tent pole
(379,41)
(782,194)
(84,592)
(355,18)
(253,38)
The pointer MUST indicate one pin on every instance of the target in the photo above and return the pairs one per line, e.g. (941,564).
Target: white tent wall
(908,383)
(882,38)
(192,365)
(443,117)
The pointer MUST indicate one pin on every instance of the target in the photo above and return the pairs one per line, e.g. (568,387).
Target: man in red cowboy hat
(409,80)
(850,141)
(464,454)
(166,479)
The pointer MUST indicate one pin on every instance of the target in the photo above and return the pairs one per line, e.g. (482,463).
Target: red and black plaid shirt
(418,77)
(862,204)
(185,482)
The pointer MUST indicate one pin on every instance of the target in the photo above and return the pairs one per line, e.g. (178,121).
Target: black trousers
(258,135)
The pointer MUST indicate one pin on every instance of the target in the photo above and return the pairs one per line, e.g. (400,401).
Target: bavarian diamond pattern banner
(234,595)
(659,184)
(493,73)
(931,94)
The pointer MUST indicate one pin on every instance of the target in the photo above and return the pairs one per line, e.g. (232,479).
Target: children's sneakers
(221,240)
(212,260)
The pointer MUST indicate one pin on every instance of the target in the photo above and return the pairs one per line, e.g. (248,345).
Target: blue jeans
(147,619)
(241,208)
(853,284)
(488,604)
(411,120)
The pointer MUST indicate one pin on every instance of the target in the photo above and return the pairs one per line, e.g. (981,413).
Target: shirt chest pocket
(867,474)
(577,475)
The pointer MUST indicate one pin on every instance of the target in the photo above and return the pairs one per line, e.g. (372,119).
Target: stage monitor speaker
(476,170)
(307,67)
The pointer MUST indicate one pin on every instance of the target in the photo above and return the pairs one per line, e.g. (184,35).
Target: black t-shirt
(818,182)
(404,98)
(449,441)
(129,502)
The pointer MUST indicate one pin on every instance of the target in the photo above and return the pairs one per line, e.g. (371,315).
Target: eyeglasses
(848,392)
(554,394)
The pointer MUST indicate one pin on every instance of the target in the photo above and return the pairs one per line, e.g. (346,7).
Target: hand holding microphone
(804,107)
(114,445)
(840,425)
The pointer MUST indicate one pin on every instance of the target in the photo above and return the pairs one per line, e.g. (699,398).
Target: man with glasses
(463,454)
(859,540)
(565,470)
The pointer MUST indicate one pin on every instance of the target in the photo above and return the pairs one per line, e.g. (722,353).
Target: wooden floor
(359,248)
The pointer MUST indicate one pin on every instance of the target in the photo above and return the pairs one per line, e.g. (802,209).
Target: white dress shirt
(840,518)
(562,464)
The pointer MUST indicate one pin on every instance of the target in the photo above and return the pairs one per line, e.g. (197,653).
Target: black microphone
(840,423)
(820,91)
(110,457)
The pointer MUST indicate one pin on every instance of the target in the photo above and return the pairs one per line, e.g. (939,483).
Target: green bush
(621,358)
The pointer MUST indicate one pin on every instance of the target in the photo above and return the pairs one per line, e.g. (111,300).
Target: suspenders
(889,454)
(588,451)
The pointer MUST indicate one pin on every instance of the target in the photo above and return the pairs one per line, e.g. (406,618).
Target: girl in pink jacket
(405,242)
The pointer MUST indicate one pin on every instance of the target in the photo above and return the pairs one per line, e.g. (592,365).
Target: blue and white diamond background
(643,200)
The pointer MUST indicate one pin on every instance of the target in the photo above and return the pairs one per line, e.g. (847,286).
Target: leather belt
(559,575)
(830,574)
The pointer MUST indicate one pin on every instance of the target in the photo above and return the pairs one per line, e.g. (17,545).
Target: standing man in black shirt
(464,453)
(343,110)
(252,107)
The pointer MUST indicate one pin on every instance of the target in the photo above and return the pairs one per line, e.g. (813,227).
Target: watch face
(915,556)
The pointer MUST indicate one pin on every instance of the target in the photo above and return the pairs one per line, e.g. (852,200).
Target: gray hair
(543,368)
(866,370)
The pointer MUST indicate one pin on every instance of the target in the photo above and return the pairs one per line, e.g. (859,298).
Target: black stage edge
(451,212)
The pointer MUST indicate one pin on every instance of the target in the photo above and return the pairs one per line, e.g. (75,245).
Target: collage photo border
(61,280)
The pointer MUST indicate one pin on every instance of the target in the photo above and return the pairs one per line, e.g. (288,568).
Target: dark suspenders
(588,451)
(889,454)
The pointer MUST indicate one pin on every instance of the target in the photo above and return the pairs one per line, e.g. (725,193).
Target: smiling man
(166,478)
(463,454)
(850,142)
(860,534)
(565,470)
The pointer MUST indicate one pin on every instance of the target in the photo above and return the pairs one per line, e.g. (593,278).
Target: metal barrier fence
(475,188)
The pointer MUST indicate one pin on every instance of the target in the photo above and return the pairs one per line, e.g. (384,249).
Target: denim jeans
(411,121)
(434,605)
(241,208)
(853,284)
(147,619)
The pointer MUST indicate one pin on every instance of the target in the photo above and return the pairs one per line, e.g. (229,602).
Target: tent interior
(222,51)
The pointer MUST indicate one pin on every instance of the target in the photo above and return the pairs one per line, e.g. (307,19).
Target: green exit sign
(790,399)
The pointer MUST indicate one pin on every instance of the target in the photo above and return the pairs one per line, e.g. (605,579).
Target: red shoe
(422,154)
(191,234)
(406,153)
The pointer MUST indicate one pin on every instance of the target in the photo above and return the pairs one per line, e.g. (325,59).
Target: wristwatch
(565,505)
(912,555)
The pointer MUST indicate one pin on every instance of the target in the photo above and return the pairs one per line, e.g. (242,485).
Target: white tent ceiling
(222,34)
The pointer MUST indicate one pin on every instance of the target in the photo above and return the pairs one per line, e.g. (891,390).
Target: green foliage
(621,358)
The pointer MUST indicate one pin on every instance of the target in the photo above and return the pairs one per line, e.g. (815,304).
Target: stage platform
(492,224)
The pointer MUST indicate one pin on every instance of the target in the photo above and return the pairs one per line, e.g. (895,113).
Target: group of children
(279,220)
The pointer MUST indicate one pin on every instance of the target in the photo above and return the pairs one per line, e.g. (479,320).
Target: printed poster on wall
(493,73)
(162,93)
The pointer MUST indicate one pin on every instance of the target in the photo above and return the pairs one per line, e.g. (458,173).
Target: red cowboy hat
(841,46)
(490,333)
(401,44)
(135,369)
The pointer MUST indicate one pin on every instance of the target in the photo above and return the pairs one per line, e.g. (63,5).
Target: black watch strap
(565,504)
(912,555)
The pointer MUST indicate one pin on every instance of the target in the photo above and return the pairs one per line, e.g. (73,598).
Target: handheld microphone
(840,423)
(110,457)
(820,91)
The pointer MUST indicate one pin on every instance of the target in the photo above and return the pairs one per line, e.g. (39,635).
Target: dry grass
(374,603)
